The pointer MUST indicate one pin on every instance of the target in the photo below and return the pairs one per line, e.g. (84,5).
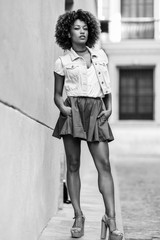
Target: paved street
(59,226)
(139,181)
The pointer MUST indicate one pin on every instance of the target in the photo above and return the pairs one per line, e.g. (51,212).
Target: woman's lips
(82,37)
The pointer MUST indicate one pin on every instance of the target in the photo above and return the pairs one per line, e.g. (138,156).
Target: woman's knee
(104,166)
(73,164)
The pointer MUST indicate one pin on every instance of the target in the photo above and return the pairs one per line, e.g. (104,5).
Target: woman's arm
(58,92)
(108,104)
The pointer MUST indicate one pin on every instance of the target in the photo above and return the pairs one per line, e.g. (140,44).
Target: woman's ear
(69,35)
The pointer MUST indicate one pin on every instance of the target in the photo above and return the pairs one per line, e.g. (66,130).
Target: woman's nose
(82,30)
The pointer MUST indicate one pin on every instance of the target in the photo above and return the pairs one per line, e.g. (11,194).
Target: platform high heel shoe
(114,234)
(77,229)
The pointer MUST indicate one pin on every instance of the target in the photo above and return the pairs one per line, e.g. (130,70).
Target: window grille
(136,94)
(137,19)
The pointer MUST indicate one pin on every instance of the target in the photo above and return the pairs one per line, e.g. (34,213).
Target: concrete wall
(27,55)
(30,157)
(136,140)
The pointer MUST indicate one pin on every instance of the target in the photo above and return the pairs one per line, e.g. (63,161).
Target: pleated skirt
(83,122)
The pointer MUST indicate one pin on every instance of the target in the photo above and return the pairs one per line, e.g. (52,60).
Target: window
(137,19)
(104,26)
(136,94)
(136,8)
(68,5)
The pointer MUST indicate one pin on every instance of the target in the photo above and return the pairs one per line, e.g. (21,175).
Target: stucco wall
(29,156)
(27,55)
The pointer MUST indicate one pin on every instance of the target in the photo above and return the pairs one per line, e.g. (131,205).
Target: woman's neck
(79,48)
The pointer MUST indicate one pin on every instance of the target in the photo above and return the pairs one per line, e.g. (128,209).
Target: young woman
(84,115)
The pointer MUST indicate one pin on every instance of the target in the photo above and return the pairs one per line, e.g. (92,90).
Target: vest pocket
(72,71)
(72,77)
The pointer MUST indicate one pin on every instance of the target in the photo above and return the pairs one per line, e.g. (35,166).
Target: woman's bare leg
(73,150)
(100,154)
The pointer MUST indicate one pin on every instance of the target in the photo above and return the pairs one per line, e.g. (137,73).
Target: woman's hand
(104,115)
(66,111)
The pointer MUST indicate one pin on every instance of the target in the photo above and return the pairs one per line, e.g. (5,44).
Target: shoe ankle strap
(79,216)
(109,218)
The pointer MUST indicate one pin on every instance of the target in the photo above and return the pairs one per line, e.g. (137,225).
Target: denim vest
(75,72)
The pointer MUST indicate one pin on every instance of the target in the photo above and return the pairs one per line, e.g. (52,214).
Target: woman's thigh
(100,154)
(72,149)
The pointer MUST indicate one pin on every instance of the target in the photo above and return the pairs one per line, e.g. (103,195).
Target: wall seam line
(24,113)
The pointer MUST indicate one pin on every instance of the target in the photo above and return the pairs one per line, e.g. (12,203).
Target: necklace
(81,51)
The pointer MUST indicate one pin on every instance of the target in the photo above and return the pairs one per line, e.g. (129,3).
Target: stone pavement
(139,186)
(59,226)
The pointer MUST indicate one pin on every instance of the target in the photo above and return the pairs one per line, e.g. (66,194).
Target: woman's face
(79,32)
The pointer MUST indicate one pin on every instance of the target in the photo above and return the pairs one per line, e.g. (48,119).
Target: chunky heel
(114,234)
(103,230)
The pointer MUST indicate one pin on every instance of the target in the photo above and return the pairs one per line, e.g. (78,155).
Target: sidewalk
(139,186)
(59,226)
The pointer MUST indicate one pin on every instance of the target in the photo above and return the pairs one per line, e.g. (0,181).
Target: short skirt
(83,122)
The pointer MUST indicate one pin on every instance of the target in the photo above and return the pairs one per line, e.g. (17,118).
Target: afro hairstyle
(66,20)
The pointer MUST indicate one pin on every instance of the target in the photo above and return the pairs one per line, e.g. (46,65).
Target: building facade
(131,38)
